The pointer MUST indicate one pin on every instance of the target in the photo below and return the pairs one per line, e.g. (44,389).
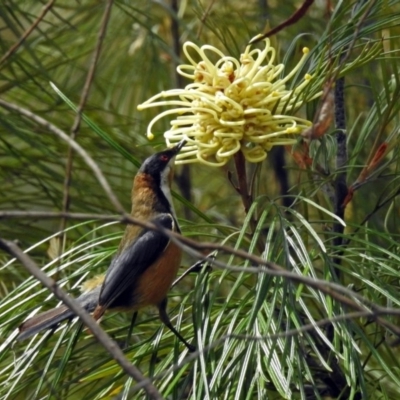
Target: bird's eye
(164,158)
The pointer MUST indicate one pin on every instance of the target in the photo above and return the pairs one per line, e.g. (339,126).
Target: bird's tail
(51,318)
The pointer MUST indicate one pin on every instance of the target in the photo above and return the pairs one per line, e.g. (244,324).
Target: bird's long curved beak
(179,146)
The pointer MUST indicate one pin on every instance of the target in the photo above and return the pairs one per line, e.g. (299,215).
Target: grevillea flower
(232,105)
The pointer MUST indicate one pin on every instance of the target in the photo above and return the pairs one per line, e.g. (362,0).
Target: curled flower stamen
(232,105)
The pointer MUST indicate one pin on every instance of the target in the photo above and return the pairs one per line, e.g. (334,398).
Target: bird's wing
(128,266)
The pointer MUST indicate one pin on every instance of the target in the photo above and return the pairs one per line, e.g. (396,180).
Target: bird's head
(152,183)
(159,165)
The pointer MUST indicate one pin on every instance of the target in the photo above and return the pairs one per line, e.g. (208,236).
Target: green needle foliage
(259,335)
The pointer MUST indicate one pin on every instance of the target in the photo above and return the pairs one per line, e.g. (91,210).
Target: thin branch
(194,248)
(334,290)
(57,214)
(356,31)
(271,337)
(80,150)
(296,16)
(110,345)
(204,17)
(377,207)
(22,39)
(82,103)
(196,267)
(319,323)
(93,64)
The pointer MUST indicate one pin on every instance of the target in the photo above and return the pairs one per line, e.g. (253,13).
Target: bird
(146,262)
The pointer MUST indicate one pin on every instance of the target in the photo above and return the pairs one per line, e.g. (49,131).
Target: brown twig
(21,40)
(289,333)
(82,102)
(296,16)
(55,215)
(361,305)
(80,150)
(110,345)
(194,248)
(350,47)
(334,290)
(204,17)
(377,207)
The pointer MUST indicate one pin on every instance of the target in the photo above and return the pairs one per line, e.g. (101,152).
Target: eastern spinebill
(146,262)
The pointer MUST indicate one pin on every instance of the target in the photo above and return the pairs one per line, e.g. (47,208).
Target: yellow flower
(232,105)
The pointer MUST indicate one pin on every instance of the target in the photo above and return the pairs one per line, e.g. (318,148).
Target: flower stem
(243,190)
(245,193)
